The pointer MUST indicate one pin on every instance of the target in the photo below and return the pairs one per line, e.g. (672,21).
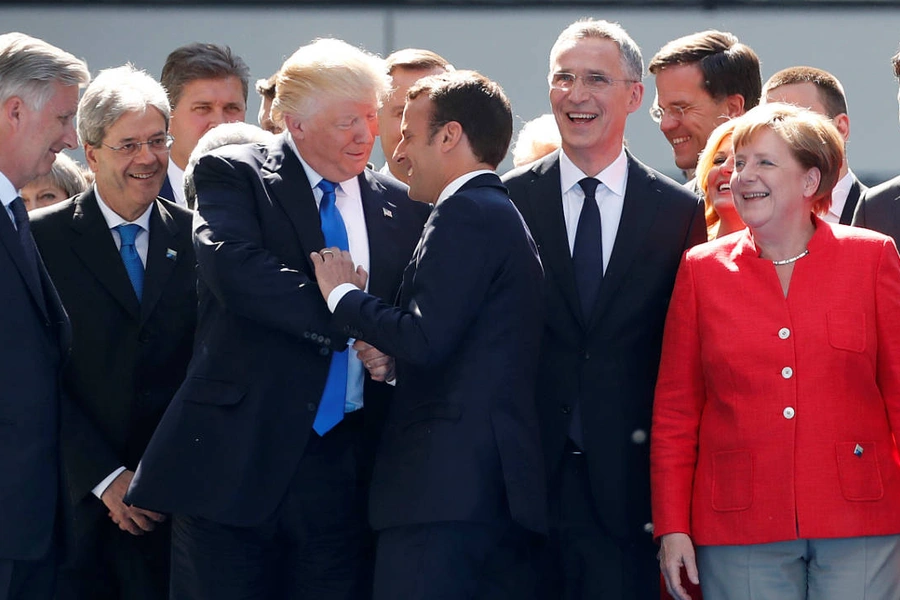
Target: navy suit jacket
(166,192)
(461,441)
(35,342)
(231,440)
(613,355)
(128,358)
(879,209)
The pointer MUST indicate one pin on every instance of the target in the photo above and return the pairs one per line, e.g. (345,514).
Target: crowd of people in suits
(242,362)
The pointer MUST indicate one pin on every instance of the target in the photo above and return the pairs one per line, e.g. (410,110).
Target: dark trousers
(456,561)
(583,561)
(28,579)
(107,563)
(316,546)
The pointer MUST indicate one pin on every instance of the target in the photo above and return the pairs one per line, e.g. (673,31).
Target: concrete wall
(510,46)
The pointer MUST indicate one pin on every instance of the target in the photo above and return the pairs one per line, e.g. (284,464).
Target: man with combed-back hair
(265,452)
(702,79)
(611,232)
(821,92)
(207,86)
(124,265)
(39,86)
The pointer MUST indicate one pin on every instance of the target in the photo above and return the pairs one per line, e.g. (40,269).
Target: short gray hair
(326,68)
(220,135)
(66,174)
(630,52)
(201,61)
(112,94)
(29,67)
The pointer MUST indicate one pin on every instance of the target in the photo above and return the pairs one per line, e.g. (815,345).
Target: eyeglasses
(157,145)
(595,82)
(675,112)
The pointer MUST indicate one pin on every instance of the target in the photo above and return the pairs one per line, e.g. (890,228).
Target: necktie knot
(128,233)
(589,187)
(327,188)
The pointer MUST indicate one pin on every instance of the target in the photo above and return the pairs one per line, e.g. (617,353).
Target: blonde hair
(537,138)
(326,69)
(813,140)
(705,165)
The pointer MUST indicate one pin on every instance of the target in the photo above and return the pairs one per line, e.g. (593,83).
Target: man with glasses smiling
(123,263)
(609,265)
(702,80)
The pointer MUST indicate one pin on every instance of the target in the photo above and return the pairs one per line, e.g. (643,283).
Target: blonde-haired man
(264,453)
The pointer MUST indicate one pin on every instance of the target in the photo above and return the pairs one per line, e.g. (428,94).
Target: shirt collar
(113,219)
(614,176)
(457,183)
(311,174)
(840,193)
(8,191)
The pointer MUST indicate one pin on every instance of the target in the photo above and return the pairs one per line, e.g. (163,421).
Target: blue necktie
(587,258)
(130,257)
(331,408)
(23,226)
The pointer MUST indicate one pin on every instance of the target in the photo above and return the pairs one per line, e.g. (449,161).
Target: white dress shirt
(839,198)
(176,180)
(142,245)
(8,193)
(348,199)
(610,199)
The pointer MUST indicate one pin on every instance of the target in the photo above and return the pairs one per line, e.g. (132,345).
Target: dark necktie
(130,257)
(587,258)
(23,226)
(331,408)
(587,255)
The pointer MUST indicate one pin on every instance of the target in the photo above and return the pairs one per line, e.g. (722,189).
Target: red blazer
(774,417)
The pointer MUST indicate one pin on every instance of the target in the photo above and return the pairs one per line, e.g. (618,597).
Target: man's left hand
(334,267)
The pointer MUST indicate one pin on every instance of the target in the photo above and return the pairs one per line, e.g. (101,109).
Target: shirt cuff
(101,487)
(338,293)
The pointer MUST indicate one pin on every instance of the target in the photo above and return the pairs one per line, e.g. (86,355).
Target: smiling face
(204,103)
(592,123)
(41,134)
(418,155)
(771,189)
(129,184)
(691,113)
(337,138)
(718,180)
(391,113)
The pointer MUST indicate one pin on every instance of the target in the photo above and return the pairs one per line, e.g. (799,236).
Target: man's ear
(294,125)
(450,135)
(734,105)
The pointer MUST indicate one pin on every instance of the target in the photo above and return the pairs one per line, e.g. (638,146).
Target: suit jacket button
(327,341)
(638,436)
(648,527)
(305,335)
(324,351)
(566,409)
(311,407)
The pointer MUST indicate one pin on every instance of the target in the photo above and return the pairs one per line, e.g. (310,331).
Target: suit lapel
(10,239)
(381,229)
(852,200)
(94,245)
(287,181)
(638,212)
(549,231)
(162,256)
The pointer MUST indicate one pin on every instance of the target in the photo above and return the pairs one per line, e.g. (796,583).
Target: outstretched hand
(334,267)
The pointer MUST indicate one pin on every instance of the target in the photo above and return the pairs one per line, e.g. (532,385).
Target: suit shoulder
(181,214)
(883,193)
(53,215)
(663,184)
(845,234)
(525,174)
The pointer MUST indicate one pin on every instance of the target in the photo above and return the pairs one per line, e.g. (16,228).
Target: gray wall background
(511,47)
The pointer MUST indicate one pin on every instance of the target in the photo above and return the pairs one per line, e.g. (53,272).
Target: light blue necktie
(130,257)
(331,408)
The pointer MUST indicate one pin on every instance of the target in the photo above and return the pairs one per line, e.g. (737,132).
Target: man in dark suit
(458,490)
(610,267)
(124,266)
(263,455)
(879,207)
(207,86)
(821,92)
(38,95)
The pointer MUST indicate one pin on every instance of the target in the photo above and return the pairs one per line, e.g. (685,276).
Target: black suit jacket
(461,441)
(233,436)
(857,189)
(166,191)
(128,358)
(36,337)
(614,355)
(879,209)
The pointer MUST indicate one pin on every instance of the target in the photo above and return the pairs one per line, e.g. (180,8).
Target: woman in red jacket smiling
(779,391)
